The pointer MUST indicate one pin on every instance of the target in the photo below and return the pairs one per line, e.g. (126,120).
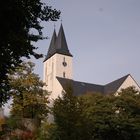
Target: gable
(129,81)
(113,87)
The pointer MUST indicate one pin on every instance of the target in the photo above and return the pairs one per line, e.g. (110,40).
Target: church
(58,69)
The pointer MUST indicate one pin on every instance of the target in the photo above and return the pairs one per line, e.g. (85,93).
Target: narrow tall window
(64,74)
(64,62)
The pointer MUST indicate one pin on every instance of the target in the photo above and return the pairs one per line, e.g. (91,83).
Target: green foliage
(29,98)
(20,26)
(66,111)
(13,123)
(108,117)
(46,131)
(97,117)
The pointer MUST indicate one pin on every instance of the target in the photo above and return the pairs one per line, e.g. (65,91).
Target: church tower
(58,63)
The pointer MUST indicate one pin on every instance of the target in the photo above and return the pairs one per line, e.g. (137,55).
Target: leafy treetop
(20,25)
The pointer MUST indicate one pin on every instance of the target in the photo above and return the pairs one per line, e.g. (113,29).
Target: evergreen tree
(112,117)
(67,114)
(96,116)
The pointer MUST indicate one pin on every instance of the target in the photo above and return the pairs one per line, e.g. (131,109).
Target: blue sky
(102,35)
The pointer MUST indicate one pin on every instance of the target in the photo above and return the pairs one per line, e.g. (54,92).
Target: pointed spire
(52,47)
(61,44)
(58,44)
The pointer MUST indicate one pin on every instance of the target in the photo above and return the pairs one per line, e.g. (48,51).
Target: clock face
(64,64)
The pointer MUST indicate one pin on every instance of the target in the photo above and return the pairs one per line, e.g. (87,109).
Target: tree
(97,112)
(110,117)
(96,116)
(66,112)
(128,106)
(20,26)
(29,98)
(47,131)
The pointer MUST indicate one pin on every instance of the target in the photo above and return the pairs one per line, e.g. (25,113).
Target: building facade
(58,72)
(58,63)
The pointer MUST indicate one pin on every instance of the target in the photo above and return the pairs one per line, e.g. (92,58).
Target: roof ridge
(79,81)
(88,83)
(118,79)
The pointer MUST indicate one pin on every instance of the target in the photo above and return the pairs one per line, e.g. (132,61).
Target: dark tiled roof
(52,48)
(61,43)
(58,44)
(81,88)
(114,86)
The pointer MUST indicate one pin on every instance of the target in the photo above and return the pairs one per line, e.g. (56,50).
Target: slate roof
(58,44)
(114,86)
(52,48)
(81,88)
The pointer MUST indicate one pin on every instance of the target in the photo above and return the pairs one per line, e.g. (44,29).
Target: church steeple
(58,44)
(58,63)
(61,43)
(52,45)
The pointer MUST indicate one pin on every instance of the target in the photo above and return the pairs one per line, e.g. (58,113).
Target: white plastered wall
(129,82)
(53,67)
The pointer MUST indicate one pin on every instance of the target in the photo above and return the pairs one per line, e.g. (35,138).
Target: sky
(102,35)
